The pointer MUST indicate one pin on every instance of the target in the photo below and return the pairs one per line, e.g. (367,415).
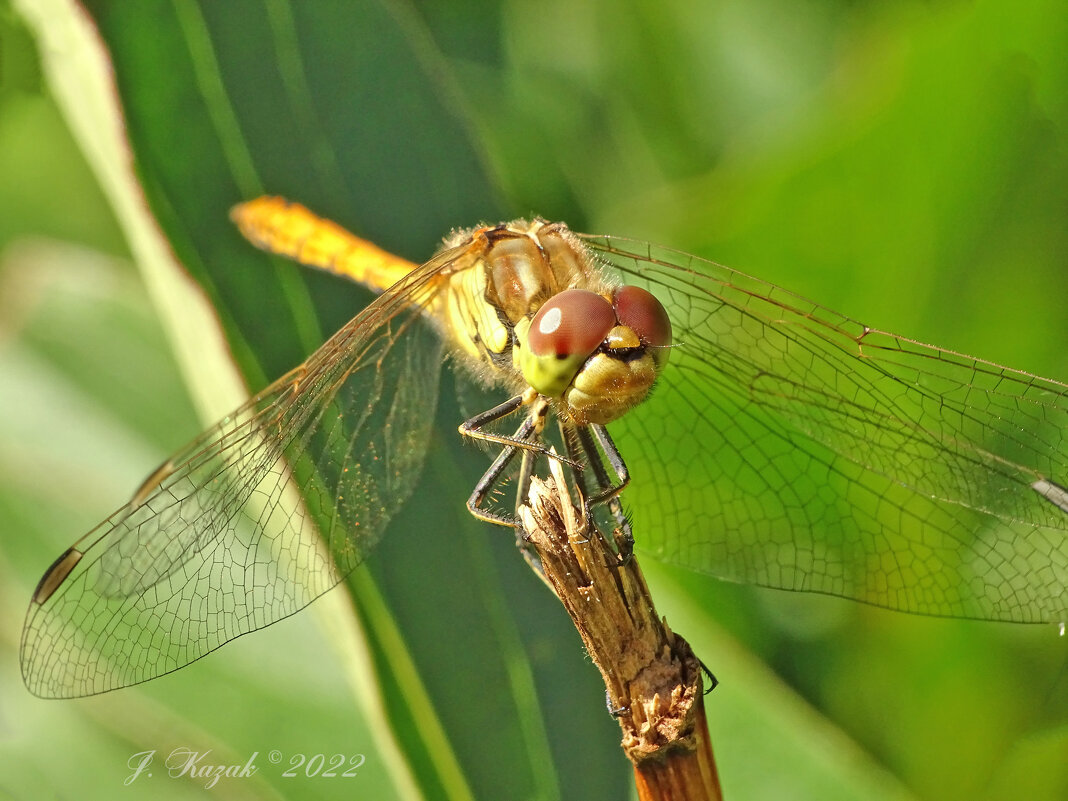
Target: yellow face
(598,355)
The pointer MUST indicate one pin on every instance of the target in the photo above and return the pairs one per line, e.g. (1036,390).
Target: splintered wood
(653,680)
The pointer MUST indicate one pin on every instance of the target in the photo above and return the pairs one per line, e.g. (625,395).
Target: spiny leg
(526,440)
(581,449)
(493,475)
(604,490)
(615,459)
(473,427)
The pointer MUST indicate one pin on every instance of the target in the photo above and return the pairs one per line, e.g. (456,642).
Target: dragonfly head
(597,354)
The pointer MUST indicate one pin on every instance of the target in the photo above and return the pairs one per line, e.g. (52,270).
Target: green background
(905,163)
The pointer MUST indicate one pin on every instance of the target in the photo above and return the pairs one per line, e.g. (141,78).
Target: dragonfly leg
(539,407)
(615,459)
(522,538)
(604,490)
(527,438)
(713,682)
(613,710)
(581,448)
(492,476)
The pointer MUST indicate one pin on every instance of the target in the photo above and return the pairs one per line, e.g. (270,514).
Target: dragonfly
(756,436)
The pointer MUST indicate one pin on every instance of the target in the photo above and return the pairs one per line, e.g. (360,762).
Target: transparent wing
(791,447)
(255,518)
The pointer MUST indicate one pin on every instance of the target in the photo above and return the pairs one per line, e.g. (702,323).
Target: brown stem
(651,675)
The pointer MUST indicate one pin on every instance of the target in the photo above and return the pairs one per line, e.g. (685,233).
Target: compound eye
(640,311)
(571,323)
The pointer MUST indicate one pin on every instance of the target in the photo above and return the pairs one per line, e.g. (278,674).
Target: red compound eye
(571,323)
(644,314)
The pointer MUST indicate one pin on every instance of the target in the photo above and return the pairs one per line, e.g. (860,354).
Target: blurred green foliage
(905,163)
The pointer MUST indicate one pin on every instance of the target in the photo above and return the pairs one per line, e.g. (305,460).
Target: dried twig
(653,680)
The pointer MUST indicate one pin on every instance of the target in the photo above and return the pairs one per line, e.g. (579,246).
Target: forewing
(791,447)
(255,518)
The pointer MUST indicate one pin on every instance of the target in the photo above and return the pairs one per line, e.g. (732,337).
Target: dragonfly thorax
(528,300)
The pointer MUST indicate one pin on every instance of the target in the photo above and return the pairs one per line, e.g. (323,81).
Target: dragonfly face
(600,356)
(787,446)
